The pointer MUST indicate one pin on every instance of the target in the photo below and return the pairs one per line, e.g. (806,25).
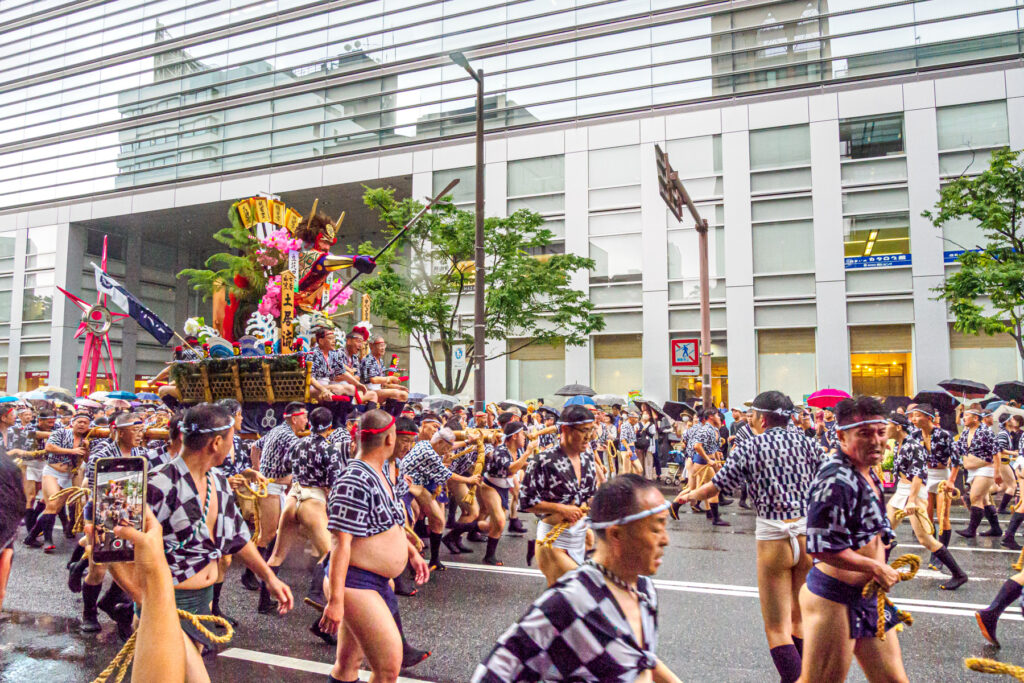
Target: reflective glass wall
(133,92)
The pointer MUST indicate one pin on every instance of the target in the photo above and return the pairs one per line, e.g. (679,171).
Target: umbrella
(87,403)
(994,404)
(891,403)
(416,397)
(36,395)
(1009,391)
(826,398)
(964,388)
(148,396)
(57,394)
(609,400)
(440,401)
(580,400)
(509,403)
(98,395)
(651,405)
(9,399)
(676,409)
(575,390)
(123,395)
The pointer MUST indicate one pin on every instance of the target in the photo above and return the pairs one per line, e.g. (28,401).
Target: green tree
(427,280)
(987,293)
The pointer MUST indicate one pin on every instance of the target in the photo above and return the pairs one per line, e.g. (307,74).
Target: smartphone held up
(119,498)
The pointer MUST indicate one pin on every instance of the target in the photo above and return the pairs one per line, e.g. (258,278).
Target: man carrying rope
(943,462)
(599,623)
(908,467)
(556,486)
(847,534)
(64,451)
(977,446)
(703,443)
(192,501)
(776,467)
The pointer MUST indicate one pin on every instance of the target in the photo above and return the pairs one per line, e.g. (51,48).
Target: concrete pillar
(64,348)
(656,366)
(577,241)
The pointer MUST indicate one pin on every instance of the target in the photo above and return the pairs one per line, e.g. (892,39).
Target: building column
(64,348)
(17,301)
(832,343)
(577,241)
(739,277)
(931,330)
(496,204)
(655,343)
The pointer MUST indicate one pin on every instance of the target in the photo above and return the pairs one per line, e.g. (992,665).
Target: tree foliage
(223,267)
(425,285)
(987,293)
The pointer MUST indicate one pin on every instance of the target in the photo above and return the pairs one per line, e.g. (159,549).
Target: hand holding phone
(118,500)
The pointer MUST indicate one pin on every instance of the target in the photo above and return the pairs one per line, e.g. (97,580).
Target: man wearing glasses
(375,374)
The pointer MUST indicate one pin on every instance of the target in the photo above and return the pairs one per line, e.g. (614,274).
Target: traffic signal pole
(676,197)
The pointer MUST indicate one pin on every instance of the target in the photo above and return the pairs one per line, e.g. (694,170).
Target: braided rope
(1019,564)
(922,517)
(944,495)
(254,495)
(118,666)
(76,495)
(478,466)
(991,666)
(551,536)
(913,563)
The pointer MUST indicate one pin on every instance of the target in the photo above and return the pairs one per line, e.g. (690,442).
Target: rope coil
(991,666)
(118,666)
(944,495)
(922,517)
(551,536)
(248,493)
(912,563)
(76,495)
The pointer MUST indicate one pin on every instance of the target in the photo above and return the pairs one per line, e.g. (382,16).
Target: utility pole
(479,338)
(676,197)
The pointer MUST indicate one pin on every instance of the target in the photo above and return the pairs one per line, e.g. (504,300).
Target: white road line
(964,548)
(281,661)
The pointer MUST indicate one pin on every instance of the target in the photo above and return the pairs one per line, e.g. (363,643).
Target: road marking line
(307,665)
(965,548)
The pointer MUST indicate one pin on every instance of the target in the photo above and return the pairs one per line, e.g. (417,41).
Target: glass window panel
(536,176)
(465,191)
(38,301)
(529,380)
(704,188)
(774,147)
(963,163)
(781,209)
(784,286)
(615,166)
(616,258)
(870,280)
(683,249)
(875,136)
(773,181)
(878,171)
(544,205)
(617,295)
(615,196)
(876,235)
(42,240)
(961,234)
(985,365)
(972,125)
(163,257)
(702,155)
(783,247)
(615,223)
(556,227)
(5,307)
(874,200)
(794,374)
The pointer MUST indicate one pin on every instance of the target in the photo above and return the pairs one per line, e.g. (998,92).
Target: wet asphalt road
(709,619)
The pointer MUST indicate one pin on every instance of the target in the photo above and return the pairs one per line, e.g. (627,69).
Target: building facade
(812,136)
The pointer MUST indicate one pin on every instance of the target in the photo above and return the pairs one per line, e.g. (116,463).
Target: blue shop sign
(954,256)
(880,261)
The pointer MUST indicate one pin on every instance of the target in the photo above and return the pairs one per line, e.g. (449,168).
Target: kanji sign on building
(686,357)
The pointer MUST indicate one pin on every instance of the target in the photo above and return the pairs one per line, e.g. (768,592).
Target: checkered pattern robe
(237,460)
(911,460)
(361,504)
(842,509)
(424,466)
(275,447)
(62,438)
(188,544)
(498,462)
(156,453)
(371,367)
(575,631)
(550,478)
(341,441)
(777,468)
(942,453)
(105,448)
(463,465)
(315,462)
(627,434)
(706,435)
(982,445)
(321,366)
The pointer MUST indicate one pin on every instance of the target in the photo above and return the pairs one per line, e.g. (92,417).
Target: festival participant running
(847,533)
(33,435)
(64,451)
(370,547)
(500,469)
(1009,443)
(777,467)
(557,483)
(908,467)
(270,457)
(571,633)
(942,460)
(424,465)
(977,447)
(374,372)
(196,509)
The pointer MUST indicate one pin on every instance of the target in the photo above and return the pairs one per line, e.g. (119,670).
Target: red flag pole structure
(95,323)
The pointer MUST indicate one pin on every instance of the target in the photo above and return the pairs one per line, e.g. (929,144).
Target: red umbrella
(826,398)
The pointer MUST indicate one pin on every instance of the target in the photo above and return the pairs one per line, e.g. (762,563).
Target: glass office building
(143,120)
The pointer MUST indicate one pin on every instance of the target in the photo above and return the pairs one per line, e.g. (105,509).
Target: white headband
(562,423)
(632,518)
(194,429)
(776,411)
(505,437)
(877,421)
(923,412)
(974,412)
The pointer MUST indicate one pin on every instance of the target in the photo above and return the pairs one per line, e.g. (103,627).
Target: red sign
(36,375)
(686,357)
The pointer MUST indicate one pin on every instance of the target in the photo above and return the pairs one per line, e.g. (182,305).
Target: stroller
(674,474)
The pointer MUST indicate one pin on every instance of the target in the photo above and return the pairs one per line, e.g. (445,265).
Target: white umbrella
(98,395)
(609,400)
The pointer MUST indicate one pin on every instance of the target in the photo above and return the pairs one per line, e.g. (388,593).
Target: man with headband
(366,519)
(942,461)
(194,503)
(573,631)
(65,450)
(704,443)
(847,535)
(424,465)
(270,456)
(977,448)
(557,483)
(776,467)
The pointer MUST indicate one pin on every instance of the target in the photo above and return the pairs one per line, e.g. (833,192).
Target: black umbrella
(651,405)
(965,388)
(575,390)
(676,409)
(891,403)
(1009,391)
(939,400)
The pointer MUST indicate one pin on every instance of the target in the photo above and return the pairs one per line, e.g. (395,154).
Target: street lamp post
(478,242)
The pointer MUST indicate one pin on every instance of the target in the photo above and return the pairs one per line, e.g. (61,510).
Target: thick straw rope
(76,495)
(246,492)
(550,537)
(119,664)
(991,666)
(922,517)
(944,495)
(913,563)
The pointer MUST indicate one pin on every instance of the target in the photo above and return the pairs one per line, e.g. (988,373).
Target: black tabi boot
(76,555)
(988,617)
(435,553)
(972,527)
(716,519)
(31,515)
(1009,538)
(993,521)
(1004,502)
(531,549)
(743,499)
(249,580)
(450,519)
(475,536)
(959,575)
(118,606)
(215,604)
(90,617)
(65,523)
(515,526)
(410,655)
(404,583)
(76,573)
(267,605)
(44,525)
(451,539)
(316,581)
(489,558)
(787,662)
(420,528)
(945,537)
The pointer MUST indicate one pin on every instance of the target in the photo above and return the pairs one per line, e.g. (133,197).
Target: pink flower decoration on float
(345,295)
(270,304)
(282,241)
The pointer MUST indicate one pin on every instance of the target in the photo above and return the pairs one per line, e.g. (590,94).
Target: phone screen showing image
(119,499)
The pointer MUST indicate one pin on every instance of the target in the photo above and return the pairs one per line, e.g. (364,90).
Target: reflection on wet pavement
(39,647)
